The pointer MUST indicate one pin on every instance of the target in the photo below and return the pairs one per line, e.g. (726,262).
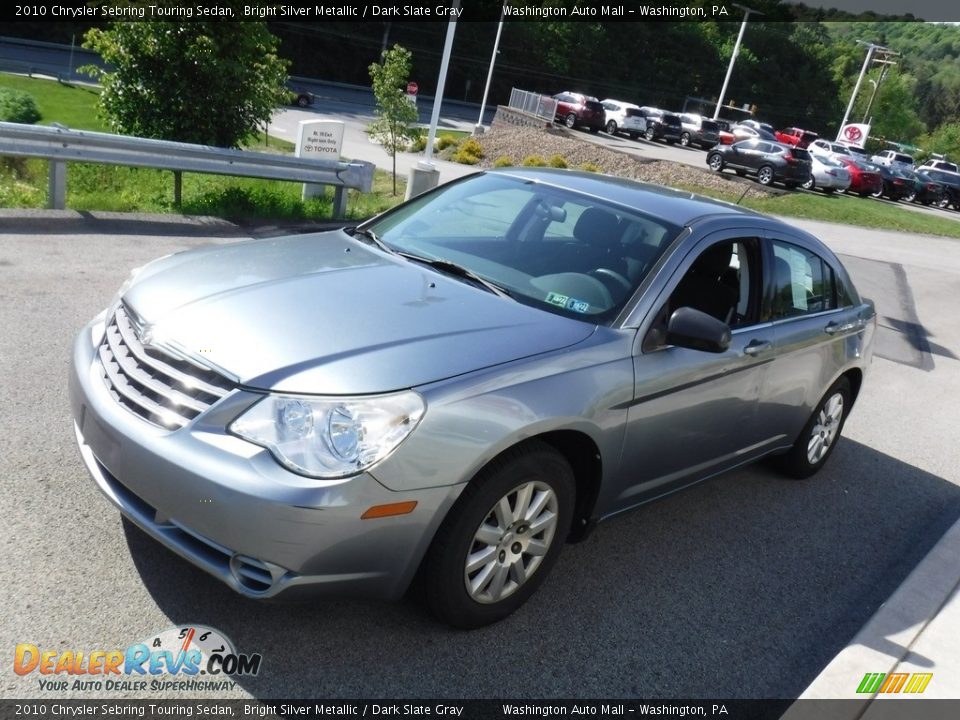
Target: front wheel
(685,139)
(570,121)
(809,184)
(910,196)
(765,175)
(944,203)
(612,127)
(650,134)
(715,161)
(820,435)
(498,543)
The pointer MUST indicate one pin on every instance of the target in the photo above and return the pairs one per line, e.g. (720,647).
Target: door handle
(833,328)
(755,347)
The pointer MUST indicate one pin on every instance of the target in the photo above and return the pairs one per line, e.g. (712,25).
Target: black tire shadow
(745,586)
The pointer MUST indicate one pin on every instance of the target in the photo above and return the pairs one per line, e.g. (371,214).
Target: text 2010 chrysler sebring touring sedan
(459,386)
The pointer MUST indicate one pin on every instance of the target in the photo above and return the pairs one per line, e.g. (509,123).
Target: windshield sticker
(557,299)
(568,303)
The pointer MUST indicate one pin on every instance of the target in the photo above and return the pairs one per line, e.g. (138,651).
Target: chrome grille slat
(128,363)
(166,391)
(125,327)
(123,387)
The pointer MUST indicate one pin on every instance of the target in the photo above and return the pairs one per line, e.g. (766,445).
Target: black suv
(951,187)
(662,124)
(770,161)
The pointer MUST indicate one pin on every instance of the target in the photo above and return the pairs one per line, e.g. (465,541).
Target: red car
(863,181)
(574,109)
(796,137)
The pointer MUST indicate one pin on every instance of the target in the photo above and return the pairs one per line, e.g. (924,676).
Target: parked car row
(793,156)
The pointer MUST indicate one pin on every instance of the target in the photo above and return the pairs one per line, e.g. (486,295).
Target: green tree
(396,115)
(212,83)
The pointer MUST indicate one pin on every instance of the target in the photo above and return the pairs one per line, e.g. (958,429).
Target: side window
(803,283)
(723,282)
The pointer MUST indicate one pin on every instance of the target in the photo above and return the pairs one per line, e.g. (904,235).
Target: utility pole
(493,59)
(733,57)
(871,49)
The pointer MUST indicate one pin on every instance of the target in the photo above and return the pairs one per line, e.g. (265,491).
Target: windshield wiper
(370,235)
(452,268)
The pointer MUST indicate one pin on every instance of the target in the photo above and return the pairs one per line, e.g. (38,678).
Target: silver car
(454,389)
(827,174)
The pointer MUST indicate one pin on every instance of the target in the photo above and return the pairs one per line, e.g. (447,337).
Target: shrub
(589,167)
(468,152)
(503,161)
(534,161)
(445,141)
(419,143)
(17,106)
(557,161)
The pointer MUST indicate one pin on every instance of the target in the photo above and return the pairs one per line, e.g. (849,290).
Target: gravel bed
(518,143)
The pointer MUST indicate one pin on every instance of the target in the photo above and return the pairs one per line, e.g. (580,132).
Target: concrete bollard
(423,176)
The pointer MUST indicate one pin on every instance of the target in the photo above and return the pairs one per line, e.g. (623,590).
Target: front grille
(165,390)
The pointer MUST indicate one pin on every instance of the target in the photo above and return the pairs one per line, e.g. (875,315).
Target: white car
(624,117)
(823,147)
(893,159)
(827,174)
(939,164)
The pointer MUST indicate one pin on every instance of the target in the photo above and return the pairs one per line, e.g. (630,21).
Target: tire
(685,139)
(570,121)
(910,196)
(944,203)
(765,175)
(612,127)
(486,523)
(809,184)
(878,194)
(715,161)
(650,135)
(820,435)
(303,101)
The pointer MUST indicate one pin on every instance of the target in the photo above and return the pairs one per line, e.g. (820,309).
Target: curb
(888,638)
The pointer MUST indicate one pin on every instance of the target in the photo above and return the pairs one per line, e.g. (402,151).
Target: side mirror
(696,330)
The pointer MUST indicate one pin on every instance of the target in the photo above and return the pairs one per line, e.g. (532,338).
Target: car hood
(324,313)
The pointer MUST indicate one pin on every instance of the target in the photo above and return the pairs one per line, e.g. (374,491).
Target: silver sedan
(454,389)
(827,174)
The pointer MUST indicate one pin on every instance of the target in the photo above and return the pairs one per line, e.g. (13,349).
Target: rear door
(817,328)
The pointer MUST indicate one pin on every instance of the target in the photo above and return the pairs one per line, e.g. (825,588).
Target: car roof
(672,206)
(620,102)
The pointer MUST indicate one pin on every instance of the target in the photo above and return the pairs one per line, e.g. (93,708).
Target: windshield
(567,253)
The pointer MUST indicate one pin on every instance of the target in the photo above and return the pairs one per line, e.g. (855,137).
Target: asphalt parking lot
(744,586)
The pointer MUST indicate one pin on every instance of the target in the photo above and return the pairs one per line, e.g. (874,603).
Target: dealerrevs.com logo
(188,658)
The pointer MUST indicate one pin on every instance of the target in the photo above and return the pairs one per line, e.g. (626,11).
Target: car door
(817,328)
(744,154)
(694,412)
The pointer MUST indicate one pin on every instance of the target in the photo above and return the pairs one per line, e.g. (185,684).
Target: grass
(843,209)
(23,182)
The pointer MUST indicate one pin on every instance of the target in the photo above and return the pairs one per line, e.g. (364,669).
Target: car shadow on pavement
(746,585)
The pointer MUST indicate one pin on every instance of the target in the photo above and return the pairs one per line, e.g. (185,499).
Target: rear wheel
(685,139)
(820,435)
(809,184)
(570,121)
(498,543)
(765,175)
(650,134)
(944,203)
(612,127)
(910,196)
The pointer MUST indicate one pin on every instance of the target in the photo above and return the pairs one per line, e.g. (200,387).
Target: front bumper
(228,507)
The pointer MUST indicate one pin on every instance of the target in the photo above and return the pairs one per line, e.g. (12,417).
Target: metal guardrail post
(339,203)
(57,185)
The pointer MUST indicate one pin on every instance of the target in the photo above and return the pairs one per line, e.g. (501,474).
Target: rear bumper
(228,507)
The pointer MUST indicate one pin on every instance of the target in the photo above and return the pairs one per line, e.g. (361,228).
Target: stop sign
(412,88)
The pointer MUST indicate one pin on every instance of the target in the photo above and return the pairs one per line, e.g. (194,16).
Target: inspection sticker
(557,299)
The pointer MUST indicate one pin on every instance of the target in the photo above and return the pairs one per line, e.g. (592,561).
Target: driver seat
(598,232)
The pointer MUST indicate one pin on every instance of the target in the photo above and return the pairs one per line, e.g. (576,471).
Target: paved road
(746,585)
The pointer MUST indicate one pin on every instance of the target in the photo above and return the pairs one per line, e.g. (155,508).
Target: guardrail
(60,145)
(542,106)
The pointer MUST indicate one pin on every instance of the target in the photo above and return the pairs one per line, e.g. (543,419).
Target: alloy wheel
(825,429)
(511,542)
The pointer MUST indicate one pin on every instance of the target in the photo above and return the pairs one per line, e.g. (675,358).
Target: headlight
(330,437)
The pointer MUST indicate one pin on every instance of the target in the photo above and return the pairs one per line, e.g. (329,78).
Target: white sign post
(319,140)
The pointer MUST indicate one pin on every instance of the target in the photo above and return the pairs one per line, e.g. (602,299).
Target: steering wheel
(613,280)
